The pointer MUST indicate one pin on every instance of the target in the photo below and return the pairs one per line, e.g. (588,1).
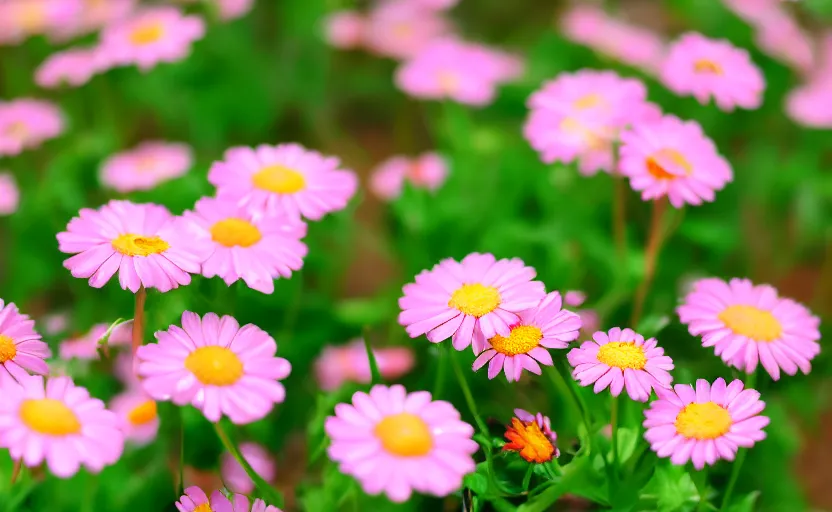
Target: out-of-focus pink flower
(427,171)
(9,194)
(20,19)
(781,37)
(54,323)
(811,104)
(146,166)
(403,29)
(86,346)
(233,9)
(349,363)
(92,16)
(574,298)
(436,4)
(590,322)
(137,414)
(754,11)
(26,123)
(236,478)
(345,29)
(73,67)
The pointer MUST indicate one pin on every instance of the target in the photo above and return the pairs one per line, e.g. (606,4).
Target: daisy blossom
(26,124)
(9,194)
(574,298)
(20,19)
(215,365)
(21,348)
(345,29)
(621,358)
(475,299)
(236,478)
(781,37)
(54,323)
(704,423)
(146,166)
(137,415)
(233,9)
(531,436)
(349,363)
(75,66)
(427,171)
(86,346)
(546,326)
(396,442)
(195,500)
(811,104)
(402,29)
(747,324)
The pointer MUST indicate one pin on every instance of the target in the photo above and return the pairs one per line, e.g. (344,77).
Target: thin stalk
(269,493)
(560,383)
(441,370)
(18,466)
(750,380)
(614,436)
(702,488)
(619,210)
(527,479)
(654,242)
(138,319)
(469,399)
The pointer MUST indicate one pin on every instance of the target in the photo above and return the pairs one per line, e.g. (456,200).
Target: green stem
(568,394)
(732,481)
(469,399)
(528,478)
(614,437)
(269,493)
(371,357)
(441,369)
(701,481)
(181,484)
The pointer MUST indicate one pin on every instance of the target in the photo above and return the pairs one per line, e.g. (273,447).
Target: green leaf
(672,488)
(476,481)
(744,504)
(578,478)
(374,372)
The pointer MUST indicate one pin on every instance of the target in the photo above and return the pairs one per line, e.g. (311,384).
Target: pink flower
(543,422)
(233,9)
(9,194)
(21,348)
(811,104)
(589,321)
(235,476)
(138,416)
(59,423)
(86,346)
(91,16)
(284,179)
(402,29)
(216,366)
(345,29)
(349,363)
(705,423)
(471,300)
(673,158)
(621,358)
(782,37)
(574,298)
(144,243)
(124,368)
(20,19)
(427,171)
(754,11)
(151,36)
(543,327)
(146,166)
(55,323)
(747,324)
(397,442)
(195,500)
(26,124)
(436,4)
(73,67)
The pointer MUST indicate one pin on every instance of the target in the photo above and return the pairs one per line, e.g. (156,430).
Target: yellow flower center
(448,81)
(279,179)
(138,245)
(147,33)
(49,417)
(7,348)
(707,66)
(31,17)
(622,354)
(143,413)
(475,299)
(593,141)
(754,323)
(235,232)
(522,339)
(203,508)
(656,169)
(703,421)
(527,439)
(589,101)
(17,130)
(215,366)
(405,435)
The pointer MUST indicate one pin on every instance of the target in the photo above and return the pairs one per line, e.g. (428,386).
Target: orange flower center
(448,81)
(139,245)
(235,232)
(522,339)
(475,299)
(147,33)
(703,421)
(49,417)
(707,66)
(215,366)
(527,439)
(405,435)
(279,179)
(623,354)
(589,101)
(7,348)
(143,413)
(17,130)
(656,169)
(205,507)
(753,323)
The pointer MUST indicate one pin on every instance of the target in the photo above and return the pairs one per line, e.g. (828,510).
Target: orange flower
(528,439)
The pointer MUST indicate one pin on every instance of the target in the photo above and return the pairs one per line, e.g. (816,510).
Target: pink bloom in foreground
(621,358)
(21,348)
(146,166)
(396,442)
(215,365)
(349,363)
(258,251)
(704,423)
(236,478)
(345,29)
(138,416)
(811,104)
(475,299)
(427,171)
(195,500)
(402,29)
(544,327)
(705,68)
(747,324)
(144,243)
(73,67)
(673,158)
(86,346)
(58,423)
(151,36)
(284,179)
(543,422)
(9,194)
(26,124)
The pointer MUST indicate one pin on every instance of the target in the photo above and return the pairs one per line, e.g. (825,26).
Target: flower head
(59,423)
(21,348)
(146,166)
(574,298)
(747,324)
(233,9)
(216,366)
(402,29)
(284,179)
(349,363)
(472,300)
(811,104)
(780,36)
(9,194)
(397,442)
(621,358)
(86,346)
(195,500)
(26,124)
(531,436)
(236,478)
(137,415)
(704,423)
(20,19)
(345,29)
(144,243)
(74,67)
(427,171)
(543,327)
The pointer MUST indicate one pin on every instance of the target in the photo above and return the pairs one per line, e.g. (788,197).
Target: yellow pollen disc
(235,232)
(7,348)
(204,508)
(475,299)
(215,366)
(17,130)
(448,81)
(707,66)
(589,101)
(31,17)
(622,354)
(403,30)
(143,413)
(49,417)
(655,168)
(147,33)
(279,179)
(138,245)
(522,339)
(754,323)
(405,435)
(703,421)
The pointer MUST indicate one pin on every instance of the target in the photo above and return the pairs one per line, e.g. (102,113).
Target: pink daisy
(144,243)
(754,11)
(195,500)
(20,19)
(781,37)
(811,104)
(543,422)
(151,36)
(235,477)
(258,251)
(146,166)
(21,348)
(349,363)
(55,323)
(427,171)
(345,29)
(26,124)
(705,423)
(287,178)
(9,194)
(621,358)
(574,298)
(396,442)
(673,158)
(216,366)
(705,68)
(59,423)
(436,4)
(86,346)
(546,326)
(74,67)
(402,29)
(233,9)
(471,300)
(590,322)
(137,415)
(747,324)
